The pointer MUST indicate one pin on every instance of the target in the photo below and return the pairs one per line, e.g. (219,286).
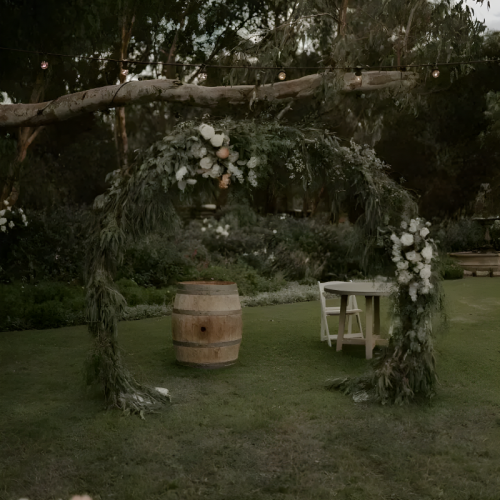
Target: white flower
(205,221)
(424,232)
(419,266)
(203,229)
(428,224)
(404,277)
(179,175)
(206,131)
(23,217)
(274,231)
(209,225)
(402,265)
(425,272)
(6,202)
(427,253)
(207,162)
(407,239)
(227,226)
(21,211)
(3,221)
(11,224)
(413,226)
(233,156)
(219,229)
(225,233)
(404,225)
(397,258)
(3,229)
(26,223)
(413,256)
(217,140)
(2,213)
(215,171)
(395,239)
(181,185)
(252,162)
(191,181)
(413,291)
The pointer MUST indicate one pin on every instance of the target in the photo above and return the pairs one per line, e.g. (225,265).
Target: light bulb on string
(281,75)
(435,72)
(44,65)
(357,75)
(202,75)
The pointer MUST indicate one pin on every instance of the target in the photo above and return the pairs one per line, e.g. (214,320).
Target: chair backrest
(351,303)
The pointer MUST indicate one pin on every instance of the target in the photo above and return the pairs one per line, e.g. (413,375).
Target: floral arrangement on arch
(10,217)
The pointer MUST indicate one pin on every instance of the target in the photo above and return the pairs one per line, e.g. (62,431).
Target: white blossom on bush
(10,218)
(407,239)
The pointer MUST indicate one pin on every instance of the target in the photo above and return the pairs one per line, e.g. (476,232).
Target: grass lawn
(263,429)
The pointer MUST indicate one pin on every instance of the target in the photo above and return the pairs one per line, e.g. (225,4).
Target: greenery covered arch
(195,158)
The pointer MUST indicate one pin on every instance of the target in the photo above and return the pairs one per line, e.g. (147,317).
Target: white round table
(372,292)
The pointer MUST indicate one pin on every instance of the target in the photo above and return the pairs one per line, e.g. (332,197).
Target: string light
(357,75)
(202,75)
(435,72)
(203,67)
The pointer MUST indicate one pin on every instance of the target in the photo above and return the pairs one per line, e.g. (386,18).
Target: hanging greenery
(194,159)
(407,367)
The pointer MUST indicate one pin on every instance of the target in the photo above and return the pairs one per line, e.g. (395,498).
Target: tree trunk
(25,136)
(74,105)
(342,28)
(121,139)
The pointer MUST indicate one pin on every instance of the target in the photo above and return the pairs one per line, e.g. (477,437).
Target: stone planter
(476,261)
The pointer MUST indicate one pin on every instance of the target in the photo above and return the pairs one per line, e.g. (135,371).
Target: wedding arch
(196,157)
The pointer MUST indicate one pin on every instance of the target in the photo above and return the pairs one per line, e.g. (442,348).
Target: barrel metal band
(190,312)
(214,344)
(207,366)
(208,290)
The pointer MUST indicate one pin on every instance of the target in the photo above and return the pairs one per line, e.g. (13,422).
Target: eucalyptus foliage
(187,163)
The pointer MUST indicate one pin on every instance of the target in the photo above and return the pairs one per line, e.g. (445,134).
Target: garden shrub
(459,236)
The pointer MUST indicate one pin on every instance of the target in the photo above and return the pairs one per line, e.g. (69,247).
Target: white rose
(203,229)
(5,202)
(21,211)
(206,131)
(425,272)
(216,171)
(206,162)
(427,253)
(402,265)
(2,213)
(274,231)
(219,229)
(413,256)
(404,277)
(407,239)
(3,221)
(191,181)
(3,229)
(179,175)
(397,258)
(217,140)
(428,224)
(11,224)
(424,232)
(395,239)
(413,226)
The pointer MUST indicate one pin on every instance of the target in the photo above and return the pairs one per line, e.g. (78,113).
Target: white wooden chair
(352,310)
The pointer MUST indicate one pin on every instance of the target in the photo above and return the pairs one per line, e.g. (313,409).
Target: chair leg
(349,324)
(359,324)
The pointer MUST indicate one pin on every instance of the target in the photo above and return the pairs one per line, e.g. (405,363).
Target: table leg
(376,315)
(369,327)
(343,309)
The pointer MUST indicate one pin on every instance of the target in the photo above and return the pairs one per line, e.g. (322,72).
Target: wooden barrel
(207,324)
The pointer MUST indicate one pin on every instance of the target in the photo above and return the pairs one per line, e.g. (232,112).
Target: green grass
(262,429)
